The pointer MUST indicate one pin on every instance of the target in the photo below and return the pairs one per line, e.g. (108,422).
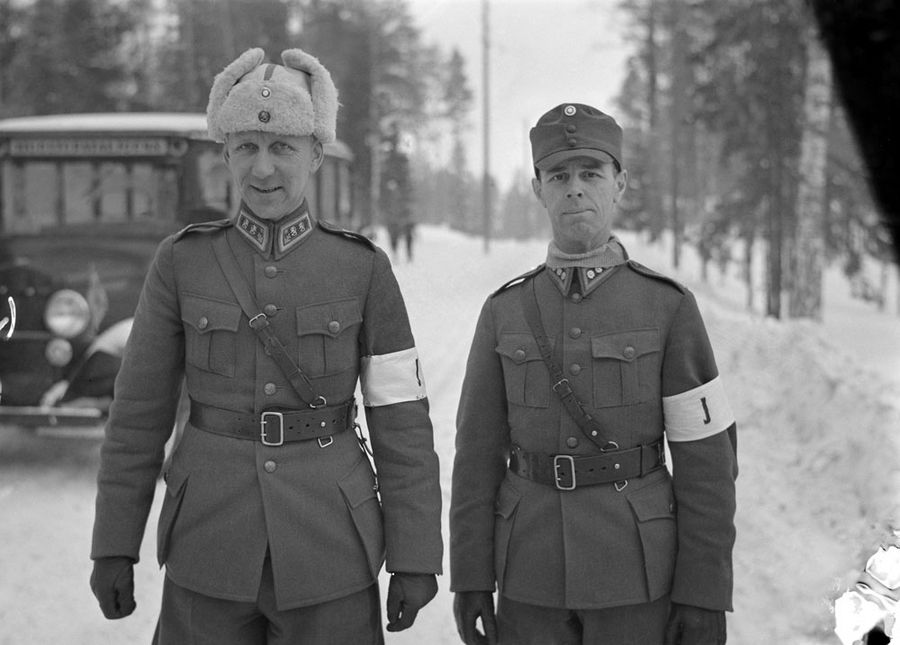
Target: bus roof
(189,124)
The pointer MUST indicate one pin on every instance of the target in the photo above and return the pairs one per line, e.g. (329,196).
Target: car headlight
(58,352)
(67,313)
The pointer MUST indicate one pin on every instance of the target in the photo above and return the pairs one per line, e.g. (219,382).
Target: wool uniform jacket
(636,353)
(333,301)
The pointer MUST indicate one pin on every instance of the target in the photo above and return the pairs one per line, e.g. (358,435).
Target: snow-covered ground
(818,409)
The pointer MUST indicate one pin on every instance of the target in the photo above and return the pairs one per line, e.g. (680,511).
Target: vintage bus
(84,201)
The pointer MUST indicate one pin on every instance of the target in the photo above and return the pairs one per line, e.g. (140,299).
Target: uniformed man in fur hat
(578,371)
(274,527)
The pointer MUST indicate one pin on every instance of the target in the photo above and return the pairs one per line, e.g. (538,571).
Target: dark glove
(695,626)
(113,585)
(468,606)
(407,594)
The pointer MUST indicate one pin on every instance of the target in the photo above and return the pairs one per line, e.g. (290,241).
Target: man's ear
(536,188)
(621,184)
(318,155)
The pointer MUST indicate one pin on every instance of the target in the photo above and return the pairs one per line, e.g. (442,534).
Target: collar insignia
(255,230)
(291,232)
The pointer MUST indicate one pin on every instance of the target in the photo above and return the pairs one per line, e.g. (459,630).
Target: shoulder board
(650,273)
(519,279)
(334,229)
(203,227)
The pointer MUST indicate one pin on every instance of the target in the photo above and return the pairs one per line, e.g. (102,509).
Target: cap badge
(265,92)
(569,110)
(264,116)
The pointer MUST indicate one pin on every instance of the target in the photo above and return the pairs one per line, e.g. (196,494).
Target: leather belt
(567,472)
(276,427)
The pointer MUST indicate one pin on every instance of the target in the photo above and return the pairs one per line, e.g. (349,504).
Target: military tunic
(635,351)
(333,301)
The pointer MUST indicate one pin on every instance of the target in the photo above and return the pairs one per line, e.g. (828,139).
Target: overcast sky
(543,52)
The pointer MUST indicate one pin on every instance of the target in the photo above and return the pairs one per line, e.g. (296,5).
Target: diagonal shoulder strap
(259,323)
(588,424)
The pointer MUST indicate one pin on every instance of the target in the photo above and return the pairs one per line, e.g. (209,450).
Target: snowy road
(817,452)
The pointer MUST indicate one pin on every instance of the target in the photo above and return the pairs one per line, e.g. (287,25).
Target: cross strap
(588,425)
(259,323)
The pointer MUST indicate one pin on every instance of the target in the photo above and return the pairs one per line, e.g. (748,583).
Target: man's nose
(262,165)
(575,189)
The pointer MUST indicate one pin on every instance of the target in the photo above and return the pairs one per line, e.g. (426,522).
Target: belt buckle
(263,429)
(560,459)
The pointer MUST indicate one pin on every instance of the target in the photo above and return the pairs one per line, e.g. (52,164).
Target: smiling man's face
(272,171)
(580,195)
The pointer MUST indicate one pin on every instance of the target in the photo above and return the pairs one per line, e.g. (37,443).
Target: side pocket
(210,333)
(524,372)
(328,334)
(625,366)
(359,491)
(504,518)
(176,485)
(654,510)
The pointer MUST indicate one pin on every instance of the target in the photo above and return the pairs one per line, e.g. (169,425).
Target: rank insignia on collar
(292,232)
(255,231)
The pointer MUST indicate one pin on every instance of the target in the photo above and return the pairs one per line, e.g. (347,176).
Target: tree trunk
(809,250)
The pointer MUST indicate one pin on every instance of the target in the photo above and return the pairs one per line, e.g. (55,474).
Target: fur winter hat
(298,98)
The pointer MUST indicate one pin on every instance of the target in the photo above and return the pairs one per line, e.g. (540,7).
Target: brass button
(270,388)
(576,297)
(203,323)
(572,142)
(334,326)
(575,368)
(519,355)
(571,127)
(270,310)
(572,442)
(628,352)
(270,466)
(264,116)
(575,332)
(590,274)
(265,92)
(271,271)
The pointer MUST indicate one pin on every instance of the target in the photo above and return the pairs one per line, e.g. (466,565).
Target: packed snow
(817,404)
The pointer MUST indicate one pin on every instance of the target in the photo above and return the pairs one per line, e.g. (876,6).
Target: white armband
(697,413)
(392,378)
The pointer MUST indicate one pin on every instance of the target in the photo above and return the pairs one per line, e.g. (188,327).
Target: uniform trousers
(190,618)
(523,624)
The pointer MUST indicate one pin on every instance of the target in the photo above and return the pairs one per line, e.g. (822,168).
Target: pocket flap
(359,485)
(507,500)
(328,318)
(519,347)
(206,315)
(626,345)
(653,502)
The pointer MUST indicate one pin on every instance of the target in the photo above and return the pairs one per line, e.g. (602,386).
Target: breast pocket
(210,333)
(328,335)
(526,376)
(626,367)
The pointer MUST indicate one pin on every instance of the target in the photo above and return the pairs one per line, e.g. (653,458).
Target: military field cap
(296,98)
(575,130)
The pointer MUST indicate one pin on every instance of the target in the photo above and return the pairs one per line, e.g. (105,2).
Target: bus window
(215,181)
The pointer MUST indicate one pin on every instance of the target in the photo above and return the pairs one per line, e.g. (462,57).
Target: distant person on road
(578,371)
(274,527)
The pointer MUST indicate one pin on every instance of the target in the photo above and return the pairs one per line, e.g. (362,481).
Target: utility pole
(486,127)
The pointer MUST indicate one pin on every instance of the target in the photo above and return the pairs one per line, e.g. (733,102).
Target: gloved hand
(695,626)
(468,606)
(407,594)
(113,585)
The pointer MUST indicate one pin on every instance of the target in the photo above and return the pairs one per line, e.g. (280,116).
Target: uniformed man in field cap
(273,526)
(579,370)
